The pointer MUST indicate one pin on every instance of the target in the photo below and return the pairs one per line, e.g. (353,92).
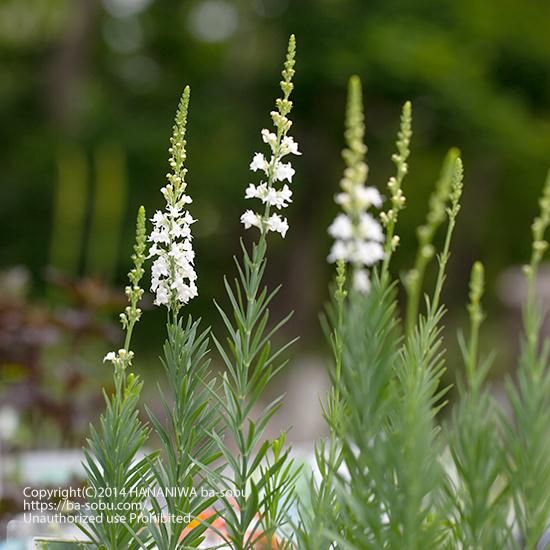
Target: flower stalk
(425,234)
(261,473)
(358,236)
(115,472)
(185,432)
(397,198)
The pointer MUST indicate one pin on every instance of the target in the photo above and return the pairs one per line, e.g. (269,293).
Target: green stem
(471,363)
(443,260)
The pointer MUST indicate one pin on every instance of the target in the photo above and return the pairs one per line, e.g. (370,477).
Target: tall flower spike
(274,169)
(173,276)
(123,357)
(358,236)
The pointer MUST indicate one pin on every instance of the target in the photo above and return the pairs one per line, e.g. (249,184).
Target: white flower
(111,356)
(270,138)
(367,252)
(369,228)
(283,171)
(361,280)
(162,293)
(172,270)
(341,227)
(259,163)
(288,145)
(121,358)
(358,236)
(158,218)
(185,292)
(367,196)
(340,251)
(276,223)
(184,255)
(276,171)
(251,191)
(160,234)
(283,197)
(250,219)
(342,198)
(160,268)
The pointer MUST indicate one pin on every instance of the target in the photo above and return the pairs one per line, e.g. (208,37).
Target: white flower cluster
(121,358)
(275,171)
(358,236)
(173,276)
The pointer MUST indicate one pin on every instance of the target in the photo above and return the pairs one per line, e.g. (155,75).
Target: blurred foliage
(102,79)
(49,372)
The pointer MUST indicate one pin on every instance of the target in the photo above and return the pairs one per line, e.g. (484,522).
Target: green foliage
(528,437)
(260,474)
(389,476)
(389,218)
(479,496)
(425,233)
(260,477)
(116,474)
(187,448)
(185,442)
(317,511)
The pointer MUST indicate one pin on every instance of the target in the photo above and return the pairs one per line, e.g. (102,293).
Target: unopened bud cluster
(397,198)
(132,313)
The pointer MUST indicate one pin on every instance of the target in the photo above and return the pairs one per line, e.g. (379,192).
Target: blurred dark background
(88,91)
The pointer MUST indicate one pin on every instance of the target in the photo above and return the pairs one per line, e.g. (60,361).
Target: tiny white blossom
(367,196)
(185,292)
(166,190)
(251,219)
(251,191)
(269,137)
(159,234)
(367,252)
(288,145)
(341,227)
(160,268)
(369,228)
(283,197)
(361,280)
(162,293)
(343,199)
(111,356)
(121,358)
(340,251)
(283,171)
(276,223)
(259,163)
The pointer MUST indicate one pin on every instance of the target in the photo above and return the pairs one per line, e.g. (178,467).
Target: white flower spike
(274,169)
(358,236)
(173,276)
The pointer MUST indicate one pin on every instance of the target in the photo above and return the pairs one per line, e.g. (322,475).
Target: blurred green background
(88,91)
